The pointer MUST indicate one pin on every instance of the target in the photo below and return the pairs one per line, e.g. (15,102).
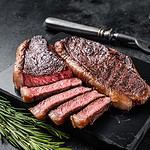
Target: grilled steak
(40,111)
(37,64)
(63,111)
(36,93)
(109,71)
(90,113)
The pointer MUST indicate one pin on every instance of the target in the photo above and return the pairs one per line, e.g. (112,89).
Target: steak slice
(90,113)
(37,64)
(63,111)
(106,69)
(36,93)
(40,111)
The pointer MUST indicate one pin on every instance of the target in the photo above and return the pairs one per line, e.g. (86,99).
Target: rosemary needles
(23,131)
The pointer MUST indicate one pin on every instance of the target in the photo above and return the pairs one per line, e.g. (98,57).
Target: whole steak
(106,69)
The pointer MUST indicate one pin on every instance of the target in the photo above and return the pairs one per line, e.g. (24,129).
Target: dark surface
(22,19)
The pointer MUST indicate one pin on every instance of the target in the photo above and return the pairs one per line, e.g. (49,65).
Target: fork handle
(67,26)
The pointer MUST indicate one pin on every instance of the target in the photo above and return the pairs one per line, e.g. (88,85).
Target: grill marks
(133,84)
(97,59)
(85,52)
(110,70)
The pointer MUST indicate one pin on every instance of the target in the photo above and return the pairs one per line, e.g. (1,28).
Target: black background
(21,19)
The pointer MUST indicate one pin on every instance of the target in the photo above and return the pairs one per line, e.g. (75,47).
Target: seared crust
(77,70)
(109,71)
(18,67)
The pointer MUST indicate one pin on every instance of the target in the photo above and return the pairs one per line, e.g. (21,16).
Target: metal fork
(105,34)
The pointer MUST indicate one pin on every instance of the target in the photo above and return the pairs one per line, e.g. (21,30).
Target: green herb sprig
(23,131)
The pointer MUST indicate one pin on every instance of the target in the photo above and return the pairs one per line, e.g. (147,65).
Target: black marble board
(118,129)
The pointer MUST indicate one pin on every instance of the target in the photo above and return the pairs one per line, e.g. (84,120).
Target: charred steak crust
(38,64)
(59,115)
(109,71)
(40,59)
(18,67)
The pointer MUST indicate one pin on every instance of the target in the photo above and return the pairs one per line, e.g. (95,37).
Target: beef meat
(90,113)
(31,81)
(63,111)
(37,64)
(106,69)
(40,111)
(36,93)
(40,58)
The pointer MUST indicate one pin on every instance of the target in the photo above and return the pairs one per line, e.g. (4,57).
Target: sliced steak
(36,93)
(37,64)
(40,111)
(63,111)
(90,113)
(106,69)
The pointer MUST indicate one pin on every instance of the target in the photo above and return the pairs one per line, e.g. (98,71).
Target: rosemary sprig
(23,131)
